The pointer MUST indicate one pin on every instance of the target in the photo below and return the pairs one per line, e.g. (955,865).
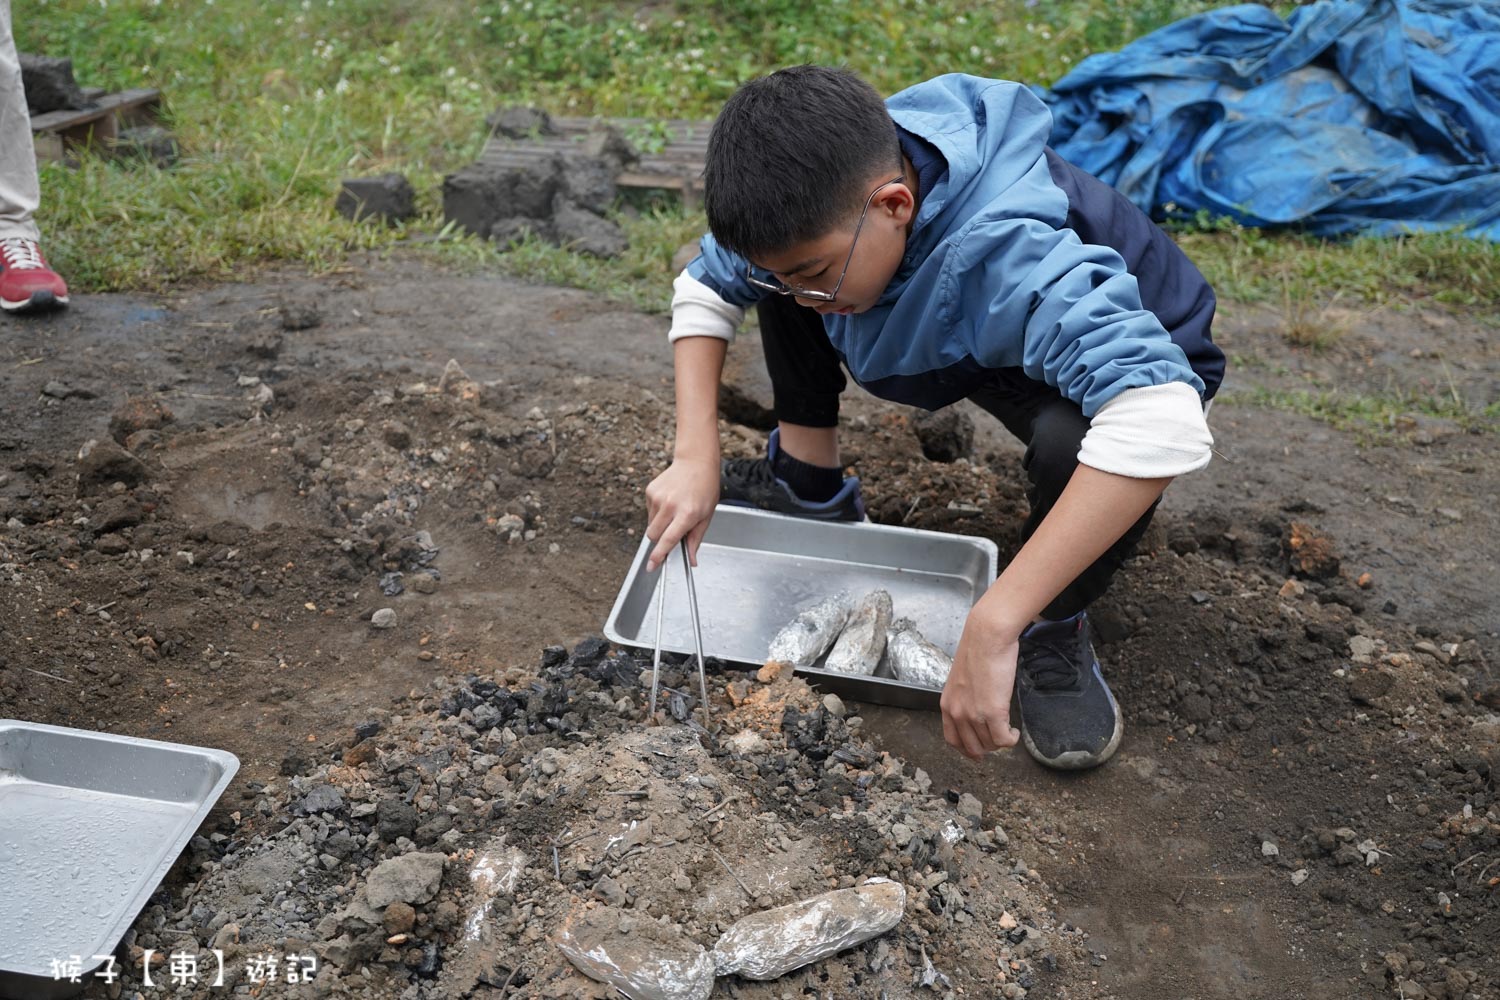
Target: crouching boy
(934,247)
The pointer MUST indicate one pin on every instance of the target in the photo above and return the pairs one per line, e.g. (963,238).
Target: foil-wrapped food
(806,637)
(913,659)
(859,647)
(771,943)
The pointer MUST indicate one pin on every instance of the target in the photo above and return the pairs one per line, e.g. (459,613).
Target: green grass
(274,102)
(1251,265)
(1376,417)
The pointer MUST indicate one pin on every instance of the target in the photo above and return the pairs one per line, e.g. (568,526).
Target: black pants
(807,378)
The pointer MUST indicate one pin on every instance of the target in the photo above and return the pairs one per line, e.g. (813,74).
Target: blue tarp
(1370,116)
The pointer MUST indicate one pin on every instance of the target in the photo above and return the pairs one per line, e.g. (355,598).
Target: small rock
(116,513)
(770,672)
(61,390)
(322,798)
(1310,552)
(747,741)
(834,705)
(300,315)
(399,918)
(111,545)
(1299,876)
(512,526)
(1347,854)
(411,878)
(395,819)
(609,891)
(1362,648)
(971,809)
(384,618)
(357,756)
(423,583)
(226,936)
(1268,849)
(101,463)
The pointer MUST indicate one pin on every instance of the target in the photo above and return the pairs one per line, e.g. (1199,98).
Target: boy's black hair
(792,155)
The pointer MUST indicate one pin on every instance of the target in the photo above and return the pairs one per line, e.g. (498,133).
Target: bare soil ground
(1304,806)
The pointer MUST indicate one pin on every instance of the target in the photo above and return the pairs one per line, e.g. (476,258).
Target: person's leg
(1069,717)
(807,378)
(19,191)
(1052,428)
(26,282)
(801,473)
(1051,457)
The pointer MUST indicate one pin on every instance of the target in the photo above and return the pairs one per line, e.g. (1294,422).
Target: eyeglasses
(781,288)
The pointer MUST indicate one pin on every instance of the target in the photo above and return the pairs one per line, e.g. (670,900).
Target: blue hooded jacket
(1014,260)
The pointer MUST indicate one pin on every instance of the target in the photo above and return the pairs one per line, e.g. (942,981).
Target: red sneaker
(27,284)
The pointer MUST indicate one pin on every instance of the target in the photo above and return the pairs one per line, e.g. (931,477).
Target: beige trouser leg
(19,191)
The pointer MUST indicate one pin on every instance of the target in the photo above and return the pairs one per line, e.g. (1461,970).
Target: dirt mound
(526,795)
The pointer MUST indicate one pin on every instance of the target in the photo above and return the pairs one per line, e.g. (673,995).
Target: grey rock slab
(586,232)
(411,878)
(387,198)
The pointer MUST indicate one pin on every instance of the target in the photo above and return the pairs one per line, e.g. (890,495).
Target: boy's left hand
(976,699)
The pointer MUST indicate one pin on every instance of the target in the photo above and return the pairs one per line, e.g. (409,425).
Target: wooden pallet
(677,167)
(57,134)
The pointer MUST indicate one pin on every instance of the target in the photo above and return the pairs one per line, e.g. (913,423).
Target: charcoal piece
(589,652)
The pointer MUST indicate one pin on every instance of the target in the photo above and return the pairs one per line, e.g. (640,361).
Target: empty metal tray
(757,570)
(89,825)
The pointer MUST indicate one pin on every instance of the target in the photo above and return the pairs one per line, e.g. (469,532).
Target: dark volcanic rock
(515,122)
(388,198)
(106,463)
(394,818)
(582,230)
(480,194)
(49,84)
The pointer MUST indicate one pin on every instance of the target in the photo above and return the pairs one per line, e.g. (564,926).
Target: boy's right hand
(679,504)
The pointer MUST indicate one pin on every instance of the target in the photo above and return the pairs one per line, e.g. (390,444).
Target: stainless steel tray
(89,825)
(757,570)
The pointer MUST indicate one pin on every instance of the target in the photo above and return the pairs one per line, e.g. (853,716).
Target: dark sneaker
(27,284)
(1069,718)
(749,482)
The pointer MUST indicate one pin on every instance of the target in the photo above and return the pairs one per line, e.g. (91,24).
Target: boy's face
(873,253)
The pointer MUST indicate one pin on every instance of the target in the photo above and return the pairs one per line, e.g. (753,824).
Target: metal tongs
(661,604)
